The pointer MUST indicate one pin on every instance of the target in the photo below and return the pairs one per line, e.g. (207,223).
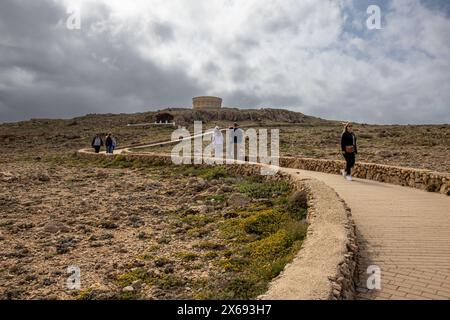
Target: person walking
(218,143)
(109,144)
(349,150)
(229,143)
(97,143)
(237,141)
(114,143)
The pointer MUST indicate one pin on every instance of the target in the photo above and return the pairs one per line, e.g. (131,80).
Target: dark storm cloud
(241,73)
(47,70)
(212,68)
(26,20)
(442,6)
(164,31)
(246,100)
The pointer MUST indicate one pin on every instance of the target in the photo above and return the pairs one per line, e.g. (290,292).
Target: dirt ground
(132,232)
(100,220)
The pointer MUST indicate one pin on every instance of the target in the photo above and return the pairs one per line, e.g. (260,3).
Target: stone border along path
(326,265)
(403,231)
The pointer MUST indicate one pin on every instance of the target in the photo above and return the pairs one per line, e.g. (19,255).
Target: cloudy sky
(313,56)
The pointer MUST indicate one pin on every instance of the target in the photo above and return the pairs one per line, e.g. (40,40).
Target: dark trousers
(97,149)
(350,159)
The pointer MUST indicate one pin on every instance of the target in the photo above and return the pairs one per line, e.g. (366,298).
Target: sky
(312,56)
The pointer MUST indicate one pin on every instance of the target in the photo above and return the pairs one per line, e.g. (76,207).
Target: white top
(217,137)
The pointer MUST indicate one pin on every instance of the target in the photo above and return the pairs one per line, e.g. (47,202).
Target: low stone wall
(326,265)
(416,178)
(423,179)
(149,158)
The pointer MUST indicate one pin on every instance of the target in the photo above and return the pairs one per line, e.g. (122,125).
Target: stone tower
(202,103)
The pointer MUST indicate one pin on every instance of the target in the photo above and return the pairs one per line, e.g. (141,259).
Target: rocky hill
(424,146)
(188,116)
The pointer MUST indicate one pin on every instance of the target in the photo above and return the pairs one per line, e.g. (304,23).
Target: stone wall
(416,178)
(423,179)
(200,103)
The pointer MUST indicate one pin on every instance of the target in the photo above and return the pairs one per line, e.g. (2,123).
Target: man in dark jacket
(109,143)
(349,150)
(97,143)
(237,140)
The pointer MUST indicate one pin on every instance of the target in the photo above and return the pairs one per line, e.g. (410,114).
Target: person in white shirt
(218,143)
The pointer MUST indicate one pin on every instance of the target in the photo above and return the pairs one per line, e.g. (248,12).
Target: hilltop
(418,146)
(265,116)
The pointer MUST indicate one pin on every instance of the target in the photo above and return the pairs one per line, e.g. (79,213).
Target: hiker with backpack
(97,143)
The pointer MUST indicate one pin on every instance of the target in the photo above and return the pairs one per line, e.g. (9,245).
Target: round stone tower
(202,103)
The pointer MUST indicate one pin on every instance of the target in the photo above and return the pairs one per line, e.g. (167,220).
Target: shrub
(263,223)
(298,199)
(208,173)
(128,278)
(272,246)
(214,173)
(257,190)
(188,256)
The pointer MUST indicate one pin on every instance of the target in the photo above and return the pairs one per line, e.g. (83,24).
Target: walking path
(403,231)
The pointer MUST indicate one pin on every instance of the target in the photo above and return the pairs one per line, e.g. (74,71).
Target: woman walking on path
(349,150)
(97,143)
